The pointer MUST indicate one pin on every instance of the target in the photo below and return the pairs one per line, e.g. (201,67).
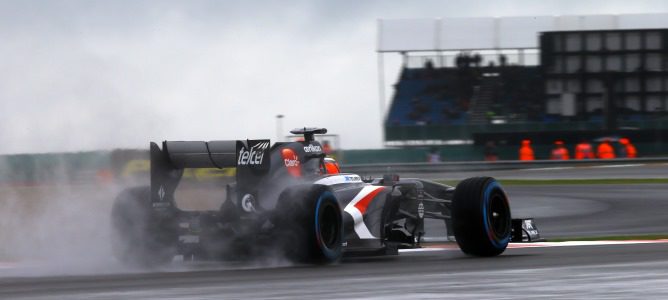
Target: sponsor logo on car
(254,154)
(247,203)
(339,179)
(312,148)
(353,178)
(161,201)
(420,210)
(528,224)
(291,161)
(161,193)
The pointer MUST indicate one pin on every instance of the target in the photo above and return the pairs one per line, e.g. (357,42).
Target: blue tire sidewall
(489,231)
(335,252)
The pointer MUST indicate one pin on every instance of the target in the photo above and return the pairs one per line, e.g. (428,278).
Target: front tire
(481,217)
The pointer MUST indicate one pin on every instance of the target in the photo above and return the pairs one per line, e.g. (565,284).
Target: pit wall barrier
(28,169)
(460,153)
(446,167)
(132,166)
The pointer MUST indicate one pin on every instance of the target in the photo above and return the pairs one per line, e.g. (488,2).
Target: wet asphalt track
(583,272)
(591,272)
(593,210)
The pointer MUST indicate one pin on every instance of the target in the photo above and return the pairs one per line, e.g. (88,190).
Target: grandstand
(543,78)
(465,95)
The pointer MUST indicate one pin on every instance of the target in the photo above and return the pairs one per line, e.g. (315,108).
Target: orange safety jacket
(584,150)
(631,151)
(526,153)
(560,153)
(605,151)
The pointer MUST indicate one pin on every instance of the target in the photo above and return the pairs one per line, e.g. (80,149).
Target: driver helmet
(331,166)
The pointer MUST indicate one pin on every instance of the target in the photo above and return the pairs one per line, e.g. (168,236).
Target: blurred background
(434,89)
(86,85)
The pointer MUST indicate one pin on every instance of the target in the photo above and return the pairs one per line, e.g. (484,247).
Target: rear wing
(167,164)
(196,154)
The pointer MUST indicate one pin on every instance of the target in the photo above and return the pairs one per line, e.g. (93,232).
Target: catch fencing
(447,167)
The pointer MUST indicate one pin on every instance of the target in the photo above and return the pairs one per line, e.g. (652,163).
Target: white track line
(584,243)
(543,245)
(548,169)
(617,166)
(8,265)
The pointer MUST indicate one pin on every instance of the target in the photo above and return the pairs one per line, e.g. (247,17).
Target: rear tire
(481,217)
(311,225)
(138,237)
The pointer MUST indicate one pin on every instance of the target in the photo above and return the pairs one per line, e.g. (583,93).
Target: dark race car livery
(285,201)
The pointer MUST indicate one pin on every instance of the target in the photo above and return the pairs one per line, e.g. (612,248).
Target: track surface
(563,211)
(603,272)
(592,272)
(593,210)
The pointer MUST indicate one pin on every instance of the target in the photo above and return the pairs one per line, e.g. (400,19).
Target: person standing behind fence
(490,151)
(605,150)
(526,152)
(584,150)
(434,156)
(559,152)
(627,150)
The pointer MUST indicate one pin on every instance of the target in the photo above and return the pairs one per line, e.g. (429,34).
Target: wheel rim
(499,216)
(329,229)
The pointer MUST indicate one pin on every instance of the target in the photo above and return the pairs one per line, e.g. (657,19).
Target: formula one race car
(289,198)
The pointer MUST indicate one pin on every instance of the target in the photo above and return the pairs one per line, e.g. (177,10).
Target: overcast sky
(88,75)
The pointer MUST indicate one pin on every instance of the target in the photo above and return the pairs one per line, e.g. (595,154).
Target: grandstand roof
(447,34)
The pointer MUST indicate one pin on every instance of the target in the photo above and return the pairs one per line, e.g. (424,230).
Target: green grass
(572,181)
(643,237)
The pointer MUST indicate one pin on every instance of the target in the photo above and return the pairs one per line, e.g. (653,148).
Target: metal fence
(447,167)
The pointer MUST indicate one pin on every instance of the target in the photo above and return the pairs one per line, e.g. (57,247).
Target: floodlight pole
(279,127)
(381,77)
(381,86)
